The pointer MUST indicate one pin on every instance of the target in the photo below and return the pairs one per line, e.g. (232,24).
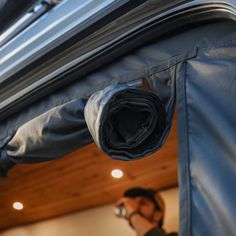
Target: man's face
(147,208)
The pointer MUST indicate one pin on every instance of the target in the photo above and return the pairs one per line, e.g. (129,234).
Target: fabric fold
(5,163)
(49,136)
(126,122)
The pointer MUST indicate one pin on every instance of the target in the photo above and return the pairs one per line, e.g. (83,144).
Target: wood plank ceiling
(80,181)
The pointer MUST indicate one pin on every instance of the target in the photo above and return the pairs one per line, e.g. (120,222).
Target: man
(144,212)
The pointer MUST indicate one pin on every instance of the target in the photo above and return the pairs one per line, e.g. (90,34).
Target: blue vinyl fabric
(205,83)
(206,101)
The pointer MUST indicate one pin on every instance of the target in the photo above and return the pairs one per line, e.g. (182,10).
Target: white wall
(98,221)
(171,220)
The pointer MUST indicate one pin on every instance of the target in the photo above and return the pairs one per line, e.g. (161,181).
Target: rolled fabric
(126,122)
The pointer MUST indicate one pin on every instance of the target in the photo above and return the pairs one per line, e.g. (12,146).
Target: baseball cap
(142,192)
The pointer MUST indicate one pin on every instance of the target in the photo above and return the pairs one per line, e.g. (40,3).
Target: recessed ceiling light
(18,206)
(116,173)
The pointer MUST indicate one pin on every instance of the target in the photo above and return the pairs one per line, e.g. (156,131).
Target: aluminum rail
(38,10)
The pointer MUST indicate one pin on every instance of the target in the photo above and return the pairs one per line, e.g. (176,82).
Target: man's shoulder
(172,234)
(159,232)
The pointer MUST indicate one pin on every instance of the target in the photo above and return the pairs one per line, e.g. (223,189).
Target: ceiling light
(116,173)
(18,206)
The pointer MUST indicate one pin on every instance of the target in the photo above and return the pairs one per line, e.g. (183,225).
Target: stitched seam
(173,61)
(185,212)
(227,43)
(187,166)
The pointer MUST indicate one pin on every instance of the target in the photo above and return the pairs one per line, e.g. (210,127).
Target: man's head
(150,204)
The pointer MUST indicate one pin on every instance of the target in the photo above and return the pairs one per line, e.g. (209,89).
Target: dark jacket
(159,232)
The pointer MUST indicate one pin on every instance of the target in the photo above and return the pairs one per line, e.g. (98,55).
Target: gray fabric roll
(127,123)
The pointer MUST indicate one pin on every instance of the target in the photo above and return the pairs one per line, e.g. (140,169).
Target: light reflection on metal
(75,12)
(39,9)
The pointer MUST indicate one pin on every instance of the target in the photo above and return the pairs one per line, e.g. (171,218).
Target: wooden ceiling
(80,181)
